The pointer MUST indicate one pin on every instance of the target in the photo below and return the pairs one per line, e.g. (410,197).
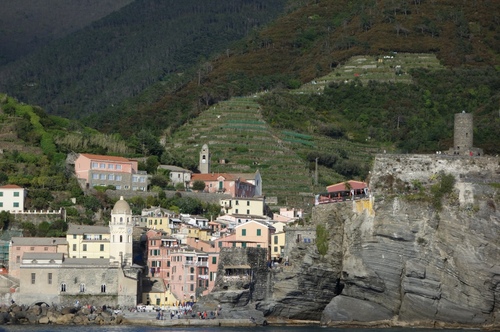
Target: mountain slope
(316,37)
(120,55)
(28,24)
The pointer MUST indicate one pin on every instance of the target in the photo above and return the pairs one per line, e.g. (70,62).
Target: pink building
(159,245)
(288,214)
(250,234)
(225,183)
(98,170)
(193,273)
(22,245)
(187,272)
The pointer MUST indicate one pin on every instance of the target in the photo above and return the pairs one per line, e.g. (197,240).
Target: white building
(12,198)
(178,174)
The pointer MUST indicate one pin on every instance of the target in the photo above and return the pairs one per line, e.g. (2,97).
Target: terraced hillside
(384,68)
(240,141)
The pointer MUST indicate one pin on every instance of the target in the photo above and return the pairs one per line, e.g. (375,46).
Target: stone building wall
(295,235)
(463,132)
(391,171)
(256,258)
(204,197)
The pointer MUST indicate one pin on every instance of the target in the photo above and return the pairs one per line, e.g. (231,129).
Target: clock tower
(120,228)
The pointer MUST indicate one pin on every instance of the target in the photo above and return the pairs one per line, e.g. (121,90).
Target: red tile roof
(341,186)
(11,186)
(212,177)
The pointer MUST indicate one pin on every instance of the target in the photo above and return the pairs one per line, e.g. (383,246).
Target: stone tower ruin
(463,136)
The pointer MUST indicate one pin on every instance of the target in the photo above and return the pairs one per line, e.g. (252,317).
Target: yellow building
(277,245)
(244,206)
(154,292)
(88,241)
(159,223)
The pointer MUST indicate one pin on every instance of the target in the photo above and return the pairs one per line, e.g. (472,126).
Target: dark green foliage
(322,239)
(29,229)
(131,49)
(3,178)
(198,185)
(91,203)
(5,219)
(159,181)
(409,116)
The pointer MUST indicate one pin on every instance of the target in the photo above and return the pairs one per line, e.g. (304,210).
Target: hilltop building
(235,184)
(225,183)
(98,170)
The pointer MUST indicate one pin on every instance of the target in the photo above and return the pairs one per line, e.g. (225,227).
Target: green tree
(199,185)
(5,219)
(152,164)
(180,186)
(29,229)
(159,181)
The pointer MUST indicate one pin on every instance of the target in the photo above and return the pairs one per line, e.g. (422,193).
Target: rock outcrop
(397,258)
(43,314)
(411,262)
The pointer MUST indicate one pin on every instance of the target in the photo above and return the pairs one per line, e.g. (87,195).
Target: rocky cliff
(409,261)
(424,250)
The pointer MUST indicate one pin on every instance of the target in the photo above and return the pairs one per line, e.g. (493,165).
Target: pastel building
(225,183)
(190,273)
(19,246)
(99,170)
(245,206)
(12,198)
(278,240)
(85,241)
(250,234)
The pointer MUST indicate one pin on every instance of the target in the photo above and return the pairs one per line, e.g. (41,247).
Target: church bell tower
(204,166)
(120,228)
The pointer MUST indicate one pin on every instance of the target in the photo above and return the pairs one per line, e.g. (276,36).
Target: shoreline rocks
(44,314)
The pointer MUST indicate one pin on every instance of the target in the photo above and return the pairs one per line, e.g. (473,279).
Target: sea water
(128,328)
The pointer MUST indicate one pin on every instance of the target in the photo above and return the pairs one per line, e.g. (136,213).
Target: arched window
(121,238)
(82,288)
(103,288)
(63,287)
(121,220)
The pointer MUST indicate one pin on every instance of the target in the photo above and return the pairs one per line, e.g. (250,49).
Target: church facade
(110,279)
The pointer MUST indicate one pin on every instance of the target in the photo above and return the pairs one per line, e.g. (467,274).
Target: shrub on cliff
(442,188)
(321,239)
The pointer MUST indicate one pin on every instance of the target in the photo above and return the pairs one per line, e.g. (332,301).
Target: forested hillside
(28,24)
(120,55)
(312,39)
